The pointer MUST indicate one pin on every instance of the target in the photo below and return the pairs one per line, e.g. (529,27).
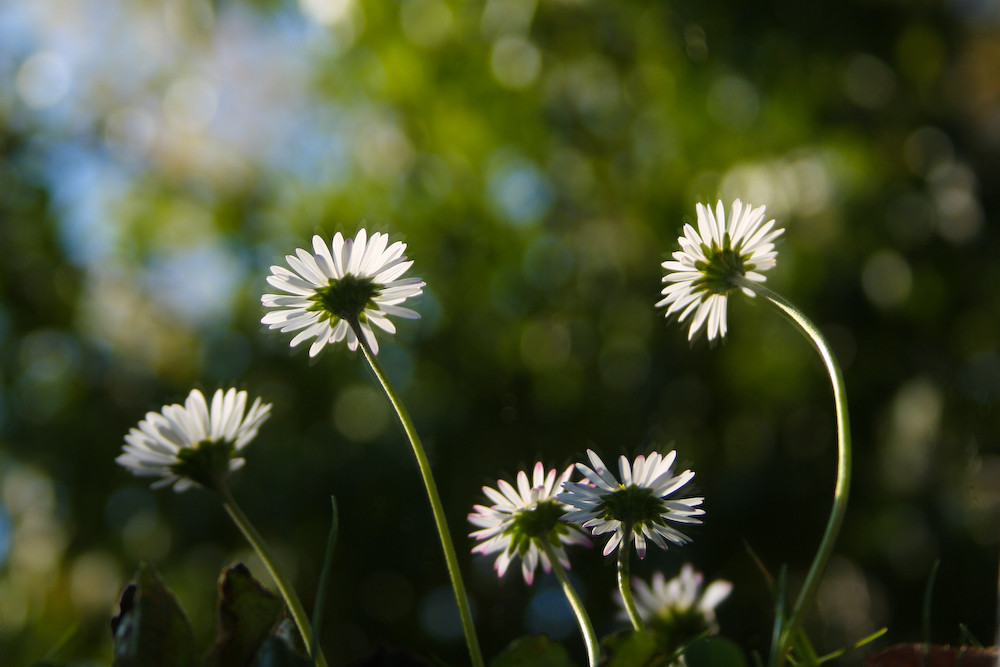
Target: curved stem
(843,484)
(586,627)
(258,544)
(437,509)
(624,584)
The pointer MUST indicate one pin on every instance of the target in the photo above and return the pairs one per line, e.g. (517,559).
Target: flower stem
(437,509)
(258,544)
(625,584)
(843,484)
(586,627)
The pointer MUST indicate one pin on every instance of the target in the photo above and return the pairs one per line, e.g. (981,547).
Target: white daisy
(639,501)
(348,279)
(191,444)
(701,272)
(521,518)
(679,605)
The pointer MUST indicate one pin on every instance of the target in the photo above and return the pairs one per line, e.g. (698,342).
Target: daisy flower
(701,272)
(678,608)
(522,518)
(639,503)
(328,288)
(193,444)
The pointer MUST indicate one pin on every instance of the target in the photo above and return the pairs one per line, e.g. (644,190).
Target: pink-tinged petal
(640,544)
(612,543)
(523,487)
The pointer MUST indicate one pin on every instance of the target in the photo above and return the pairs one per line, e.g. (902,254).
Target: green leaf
(804,651)
(247,613)
(150,629)
(714,652)
(534,651)
(858,644)
(633,649)
(277,652)
(63,641)
(779,613)
(967,637)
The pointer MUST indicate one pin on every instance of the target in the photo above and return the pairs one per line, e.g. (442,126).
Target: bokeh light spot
(868,81)
(439,615)
(360,413)
(734,102)
(382,149)
(550,613)
(190,103)
(518,190)
(959,213)
(95,580)
(846,601)
(43,80)
(326,12)
(426,23)
(515,62)
(913,429)
(886,278)
(146,536)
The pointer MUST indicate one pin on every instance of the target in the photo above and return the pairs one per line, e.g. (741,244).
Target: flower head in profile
(522,519)
(701,274)
(348,281)
(640,503)
(193,444)
(677,611)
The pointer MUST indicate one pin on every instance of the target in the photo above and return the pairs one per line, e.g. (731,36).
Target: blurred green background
(539,158)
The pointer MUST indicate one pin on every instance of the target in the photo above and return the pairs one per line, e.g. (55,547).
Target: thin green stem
(319,605)
(586,627)
(258,544)
(624,583)
(464,610)
(843,484)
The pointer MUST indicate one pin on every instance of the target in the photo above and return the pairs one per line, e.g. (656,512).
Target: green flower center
(346,298)
(206,462)
(722,266)
(633,505)
(541,522)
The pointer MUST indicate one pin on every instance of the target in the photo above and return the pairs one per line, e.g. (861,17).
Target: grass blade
(324,577)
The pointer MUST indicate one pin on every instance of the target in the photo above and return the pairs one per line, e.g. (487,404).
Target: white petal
(356,251)
(337,251)
(324,259)
(613,543)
